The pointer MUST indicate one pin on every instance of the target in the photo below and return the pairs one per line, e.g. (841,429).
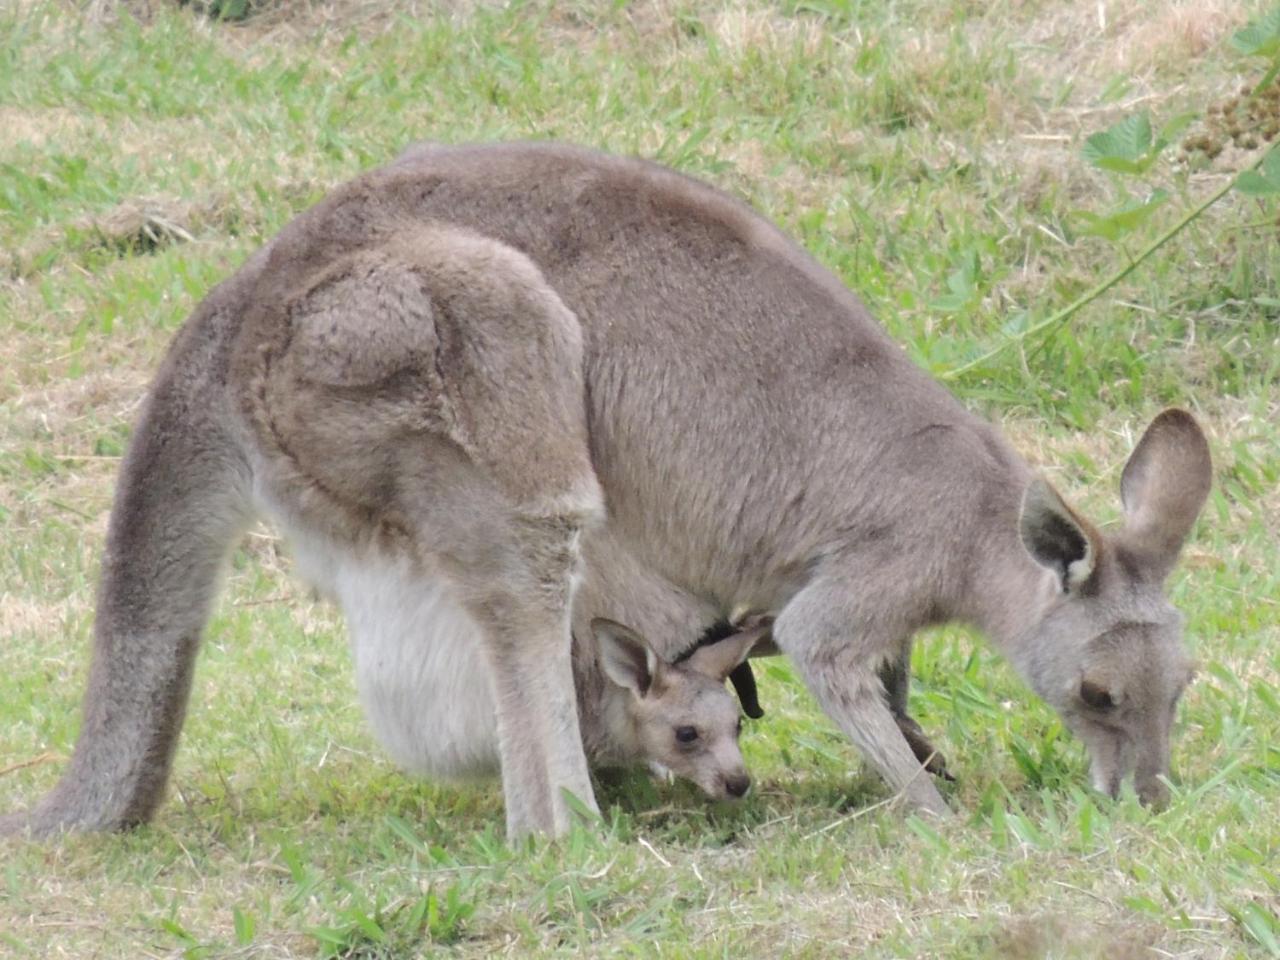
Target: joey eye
(686,734)
(737,732)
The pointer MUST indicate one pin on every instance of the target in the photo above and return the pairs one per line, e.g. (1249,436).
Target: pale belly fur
(420,669)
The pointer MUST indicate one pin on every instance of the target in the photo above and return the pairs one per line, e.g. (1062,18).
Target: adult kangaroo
(495,367)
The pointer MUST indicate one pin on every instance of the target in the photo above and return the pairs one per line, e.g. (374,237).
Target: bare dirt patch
(741,29)
(20,614)
(1057,937)
(1175,32)
(39,126)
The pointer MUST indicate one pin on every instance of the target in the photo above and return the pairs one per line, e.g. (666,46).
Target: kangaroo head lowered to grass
(465,372)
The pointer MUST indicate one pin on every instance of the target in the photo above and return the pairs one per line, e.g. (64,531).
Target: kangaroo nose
(737,786)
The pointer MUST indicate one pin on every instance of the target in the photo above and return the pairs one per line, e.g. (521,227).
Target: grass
(928,152)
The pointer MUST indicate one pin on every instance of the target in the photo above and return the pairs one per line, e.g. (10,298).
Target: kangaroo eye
(686,734)
(738,730)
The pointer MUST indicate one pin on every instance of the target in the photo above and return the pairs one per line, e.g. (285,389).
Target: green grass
(928,152)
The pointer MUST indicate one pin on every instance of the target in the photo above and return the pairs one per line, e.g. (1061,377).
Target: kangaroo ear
(744,684)
(1055,537)
(719,659)
(626,657)
(1163,487)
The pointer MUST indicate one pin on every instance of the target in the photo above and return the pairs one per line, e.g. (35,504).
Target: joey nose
(737,786)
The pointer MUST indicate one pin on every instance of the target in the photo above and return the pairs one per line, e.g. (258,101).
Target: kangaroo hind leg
(431,394)
(512,370)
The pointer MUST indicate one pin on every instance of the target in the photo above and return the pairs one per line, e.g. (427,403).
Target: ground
(928,151)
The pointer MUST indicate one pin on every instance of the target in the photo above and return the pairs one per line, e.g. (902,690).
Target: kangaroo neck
(1009,592)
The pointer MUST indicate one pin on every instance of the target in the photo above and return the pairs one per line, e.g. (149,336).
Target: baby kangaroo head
(1109,654)
(680,716)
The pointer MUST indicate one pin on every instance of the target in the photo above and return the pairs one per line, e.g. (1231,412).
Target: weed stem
(1066,313)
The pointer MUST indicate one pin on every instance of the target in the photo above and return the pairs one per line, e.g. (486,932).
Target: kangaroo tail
(181,503)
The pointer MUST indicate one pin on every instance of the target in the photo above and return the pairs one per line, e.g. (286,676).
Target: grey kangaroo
(487,371)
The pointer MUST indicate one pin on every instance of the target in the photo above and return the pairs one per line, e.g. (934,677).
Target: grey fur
(478,357)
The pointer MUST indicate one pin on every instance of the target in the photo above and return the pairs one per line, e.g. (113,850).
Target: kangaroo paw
(923,748)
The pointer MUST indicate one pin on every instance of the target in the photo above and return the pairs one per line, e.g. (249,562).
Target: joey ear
(719,659)
(1055,537)
(626,657)
(1163,487)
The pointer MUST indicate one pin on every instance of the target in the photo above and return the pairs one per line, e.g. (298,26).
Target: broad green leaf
(1271,165)
(962,284)
(1261,38)
(1125,219)
(1123,148)
(1017,322)
(1264,181)
(1255,184)
(950,303)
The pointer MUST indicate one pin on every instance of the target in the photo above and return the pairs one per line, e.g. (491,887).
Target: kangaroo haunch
(490,369)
